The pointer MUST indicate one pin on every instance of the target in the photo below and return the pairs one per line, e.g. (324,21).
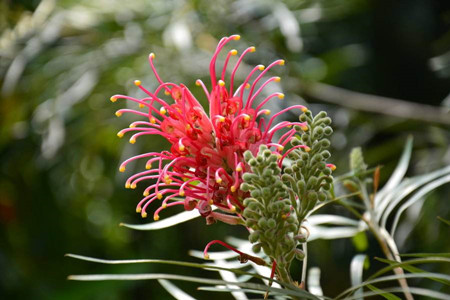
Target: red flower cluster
(205,163)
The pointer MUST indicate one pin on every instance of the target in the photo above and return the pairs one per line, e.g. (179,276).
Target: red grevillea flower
(205,163)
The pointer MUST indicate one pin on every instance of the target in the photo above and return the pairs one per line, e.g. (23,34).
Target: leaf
(417,196)
(174,290)
(164,223)
(356,272)
(383,294)
(413,290)
(252,286)
(404,189)
(390,278)
(395,264)
(398,173)
(444,220)
(231,277)
(313,281)
(413,269)
(425,255)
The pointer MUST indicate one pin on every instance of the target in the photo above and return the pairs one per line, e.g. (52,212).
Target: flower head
(205,163)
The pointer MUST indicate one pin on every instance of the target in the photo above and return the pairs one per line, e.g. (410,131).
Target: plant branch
(375,104)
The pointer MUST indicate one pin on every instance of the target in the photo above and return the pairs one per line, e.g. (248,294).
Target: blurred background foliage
(60,61)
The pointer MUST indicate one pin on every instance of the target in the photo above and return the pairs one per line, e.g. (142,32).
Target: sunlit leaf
(174,290)
(382,293)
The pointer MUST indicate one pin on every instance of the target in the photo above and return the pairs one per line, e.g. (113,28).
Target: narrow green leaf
(444,220)
(383,294)
(430,294)
(425,255)
(394,264)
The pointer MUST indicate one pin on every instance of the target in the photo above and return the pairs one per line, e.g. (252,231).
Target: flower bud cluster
(268,209)
(309,175)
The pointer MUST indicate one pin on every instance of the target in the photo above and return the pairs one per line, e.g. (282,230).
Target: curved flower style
(205,162)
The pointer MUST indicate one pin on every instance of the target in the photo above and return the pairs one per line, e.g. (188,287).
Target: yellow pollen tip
(127,185)
(277,79)
(280,148)
(159,196)
(132,140)
(307,149)
(333,167)
(132,126)
(206,256)
(279,156)
(281,62)
(304,109)
(283,216)
(247,85)
(144,214)
(138,209)
(233,208)
(233,52)
(289,126)
(237,37)
(152,55)
(133,186)
(137,82)
(239,169)
(247,118)
(197,83)
(118,113)
(281,95)
(221,119)
(261,67)
(211,201)
(162,110)
(164,205)
(152,120)
(122,169)
(166,92)
(148,166)
(219,180)
(141,105)
(267,112)
(113,99)
(120,134)
(146,193)
(156,217)
(221,83)
(182,193)
(252,49)
(181,148)
(304,128)
(233,189)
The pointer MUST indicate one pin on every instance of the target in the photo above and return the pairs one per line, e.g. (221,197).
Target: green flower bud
(259,159)
(291,219)
(328,130)
(271,223)
(312,181)
(248,155)
(327,121)
(325,143)
(312,196)
(255,193)
(326,154)
(295,142)
(302,118)
(250,222)
(299,254)
(267,153)
(305,137)
(301,238)
(322,196)
(317,157)
(256,248)
(305,156)
(252,162)
(262,223)
(253,237)
(245,187)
